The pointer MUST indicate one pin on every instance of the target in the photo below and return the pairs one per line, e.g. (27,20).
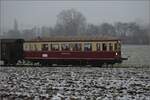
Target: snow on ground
(74,83)
(137,55)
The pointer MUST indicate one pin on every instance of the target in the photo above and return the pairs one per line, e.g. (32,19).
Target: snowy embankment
(75,83)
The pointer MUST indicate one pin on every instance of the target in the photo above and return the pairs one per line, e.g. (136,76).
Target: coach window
(30,47)
(115,47)
(87,47)
(35,47)
(65,47)
(55,47)
(26,47)
(104,46)
(76,46)
(98,47)
(110,47)
(119,46)
(44,47)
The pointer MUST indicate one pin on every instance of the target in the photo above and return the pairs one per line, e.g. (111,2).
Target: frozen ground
(74,83)
(137,54)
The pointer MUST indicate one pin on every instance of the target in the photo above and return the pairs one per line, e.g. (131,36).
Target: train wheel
(100,65)
(105,65)
(45,64)
(5,62)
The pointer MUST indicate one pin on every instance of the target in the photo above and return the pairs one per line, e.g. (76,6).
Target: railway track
(47,66)
(89,66)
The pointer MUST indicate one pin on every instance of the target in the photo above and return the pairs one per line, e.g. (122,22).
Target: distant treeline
(72,23)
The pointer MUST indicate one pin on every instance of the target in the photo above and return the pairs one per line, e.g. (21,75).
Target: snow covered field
(137,54)
(74,83)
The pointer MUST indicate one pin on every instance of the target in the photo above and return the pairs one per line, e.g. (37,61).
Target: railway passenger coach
(62,50)
(82,51)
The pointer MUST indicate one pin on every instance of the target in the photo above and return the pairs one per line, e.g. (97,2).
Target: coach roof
(73,39)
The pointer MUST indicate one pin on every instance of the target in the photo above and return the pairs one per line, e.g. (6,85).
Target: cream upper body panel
(95,46)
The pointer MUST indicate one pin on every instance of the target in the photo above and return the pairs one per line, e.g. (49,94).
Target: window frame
(88,48)
(104,44)
(65,46)
(44,47)
(26,47)
(98,44)
(52,45)
(75,47)
(110,46)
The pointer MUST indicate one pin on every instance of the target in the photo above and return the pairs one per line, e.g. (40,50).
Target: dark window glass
(44,47)
(65,47)
(110,47)
(55,47)
(76,46)
(115,47)
(104,47)
(119,46)
(87,47)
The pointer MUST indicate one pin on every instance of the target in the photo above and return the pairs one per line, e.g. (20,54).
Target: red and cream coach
(73,50)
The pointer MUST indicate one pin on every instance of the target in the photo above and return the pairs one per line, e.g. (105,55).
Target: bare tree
(92,29)
(107,29)
(70,22)
(121,29)
(132,33)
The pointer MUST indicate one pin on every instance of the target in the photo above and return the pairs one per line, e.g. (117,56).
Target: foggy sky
(39,13)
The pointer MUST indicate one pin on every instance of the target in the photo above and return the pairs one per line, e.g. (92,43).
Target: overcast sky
(39,13)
